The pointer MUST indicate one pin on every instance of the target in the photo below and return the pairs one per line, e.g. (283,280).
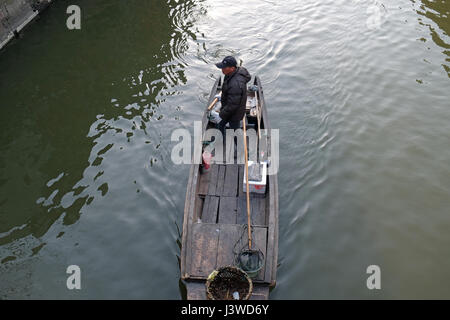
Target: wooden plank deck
(210,209)
(196,290)
(220,179)
(227,210)
(212,184)
(231,183)
(215,245)
(257,210)
(204,244)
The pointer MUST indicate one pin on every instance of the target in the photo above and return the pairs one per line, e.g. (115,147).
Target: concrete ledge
(15,15)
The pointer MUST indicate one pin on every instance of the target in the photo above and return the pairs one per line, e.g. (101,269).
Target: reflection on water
(53,163)
(436,16)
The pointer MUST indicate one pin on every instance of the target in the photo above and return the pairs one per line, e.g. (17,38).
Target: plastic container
(256,185)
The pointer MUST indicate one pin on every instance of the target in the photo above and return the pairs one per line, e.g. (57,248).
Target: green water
(359,90)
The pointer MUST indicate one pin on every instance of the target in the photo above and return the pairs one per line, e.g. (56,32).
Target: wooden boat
(215,216)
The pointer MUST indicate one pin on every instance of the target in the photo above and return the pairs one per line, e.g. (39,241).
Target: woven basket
(228,273)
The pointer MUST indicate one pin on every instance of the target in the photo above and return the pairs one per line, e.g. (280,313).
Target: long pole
(248,191)
(214,101)
(258,115)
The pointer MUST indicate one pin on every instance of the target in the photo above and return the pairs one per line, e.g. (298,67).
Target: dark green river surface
(359,90)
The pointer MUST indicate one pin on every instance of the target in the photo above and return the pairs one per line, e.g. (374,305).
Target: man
(234,93)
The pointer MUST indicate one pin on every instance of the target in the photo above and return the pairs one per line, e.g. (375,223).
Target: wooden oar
(248,191)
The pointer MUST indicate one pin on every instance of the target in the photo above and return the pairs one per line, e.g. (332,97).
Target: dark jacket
(234,95)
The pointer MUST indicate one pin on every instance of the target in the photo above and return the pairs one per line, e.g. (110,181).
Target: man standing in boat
(234,93)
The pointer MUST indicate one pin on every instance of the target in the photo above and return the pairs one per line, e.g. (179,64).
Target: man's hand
(218,97)
(214,116)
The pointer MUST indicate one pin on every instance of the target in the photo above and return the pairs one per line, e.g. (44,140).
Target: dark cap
(227,62)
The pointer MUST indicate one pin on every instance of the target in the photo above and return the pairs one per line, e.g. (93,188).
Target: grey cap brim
(220,65)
